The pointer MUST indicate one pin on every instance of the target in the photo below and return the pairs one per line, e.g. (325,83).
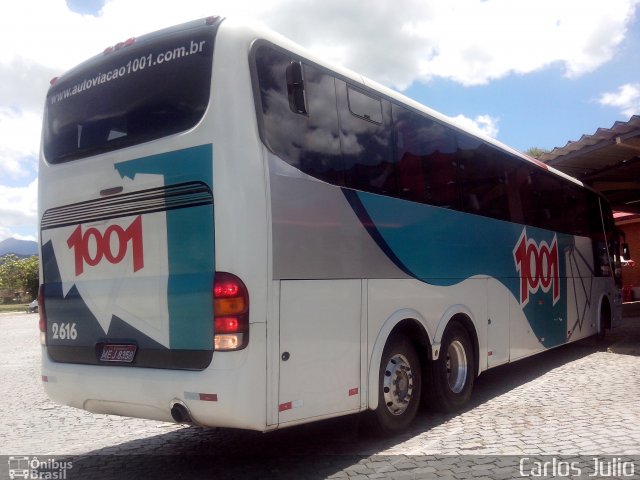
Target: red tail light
(42,323)
(231,312)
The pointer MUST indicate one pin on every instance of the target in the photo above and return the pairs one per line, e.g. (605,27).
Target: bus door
(320,342)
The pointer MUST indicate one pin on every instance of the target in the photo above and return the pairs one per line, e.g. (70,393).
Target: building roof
(608,161)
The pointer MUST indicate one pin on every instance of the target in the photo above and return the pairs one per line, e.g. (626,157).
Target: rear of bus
(144,303)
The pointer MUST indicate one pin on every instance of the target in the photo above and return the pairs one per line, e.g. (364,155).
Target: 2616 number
(64,331)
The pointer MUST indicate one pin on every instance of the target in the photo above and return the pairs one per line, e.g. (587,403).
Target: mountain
(21,248)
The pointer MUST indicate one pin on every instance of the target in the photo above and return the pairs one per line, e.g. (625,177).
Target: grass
(14,307)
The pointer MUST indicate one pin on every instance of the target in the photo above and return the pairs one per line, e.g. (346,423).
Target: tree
(31,272)
(19,274)
(536,152)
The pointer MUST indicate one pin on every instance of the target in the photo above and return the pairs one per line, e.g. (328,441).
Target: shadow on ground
(321,449)
(316,450)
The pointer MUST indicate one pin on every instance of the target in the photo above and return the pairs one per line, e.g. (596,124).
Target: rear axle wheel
(453,373)
(400,385)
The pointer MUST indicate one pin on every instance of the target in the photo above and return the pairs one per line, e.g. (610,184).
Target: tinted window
(366,144)
(581,211)
(137,94)
(607,223)
(485,172)
(426,161)
(348,136)
(310,141)
(365,106)
(543,200)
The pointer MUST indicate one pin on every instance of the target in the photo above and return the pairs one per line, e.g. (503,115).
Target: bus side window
(543,200)
(364,106)
(484,178)
(579,218)
(307,140)
(424,152)
(365,133)
(517,178)
(321,156)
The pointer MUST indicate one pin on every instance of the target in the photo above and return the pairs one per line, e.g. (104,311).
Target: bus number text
(538,267)
(64,331)
(92,246)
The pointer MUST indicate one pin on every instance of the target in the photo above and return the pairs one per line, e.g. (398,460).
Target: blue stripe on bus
(362,214)
(190,241)
(444,247)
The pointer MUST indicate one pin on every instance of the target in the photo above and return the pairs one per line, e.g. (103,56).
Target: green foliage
(536,152)
(19,274)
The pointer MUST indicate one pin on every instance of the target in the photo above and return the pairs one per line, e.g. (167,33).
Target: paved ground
(566,405)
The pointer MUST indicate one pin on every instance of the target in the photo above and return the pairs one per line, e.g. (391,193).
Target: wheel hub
(457,366)
(397,384)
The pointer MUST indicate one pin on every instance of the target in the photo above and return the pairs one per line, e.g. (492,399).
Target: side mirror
(295,88)
(626,252)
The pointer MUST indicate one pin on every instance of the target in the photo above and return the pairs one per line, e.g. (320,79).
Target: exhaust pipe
(180,413)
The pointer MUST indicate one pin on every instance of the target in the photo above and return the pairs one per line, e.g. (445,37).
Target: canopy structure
(608,161)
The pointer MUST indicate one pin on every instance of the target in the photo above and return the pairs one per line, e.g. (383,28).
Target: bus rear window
(139,93)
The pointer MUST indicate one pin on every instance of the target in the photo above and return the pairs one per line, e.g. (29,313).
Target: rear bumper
(231,392)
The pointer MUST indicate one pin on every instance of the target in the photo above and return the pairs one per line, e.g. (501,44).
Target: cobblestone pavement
(566,405)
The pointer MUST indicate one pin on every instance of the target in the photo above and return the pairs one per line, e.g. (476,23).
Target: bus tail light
(231,312)
(42,322)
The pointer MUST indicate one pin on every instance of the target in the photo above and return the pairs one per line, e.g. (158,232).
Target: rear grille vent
(158,199)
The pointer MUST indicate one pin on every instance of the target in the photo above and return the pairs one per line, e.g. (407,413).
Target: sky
(530,73)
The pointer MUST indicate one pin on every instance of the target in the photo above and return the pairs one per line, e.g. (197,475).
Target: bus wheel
(605,321)
(400,384)
(453,374)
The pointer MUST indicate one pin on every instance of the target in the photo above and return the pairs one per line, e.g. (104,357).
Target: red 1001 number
(92,246)
(538,265)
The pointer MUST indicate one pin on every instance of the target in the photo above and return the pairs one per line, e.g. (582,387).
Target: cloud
(20,140)
(396,42)
(24,84)
(498,38)
(484,124)
(468,41)
(626,99)
(18,208)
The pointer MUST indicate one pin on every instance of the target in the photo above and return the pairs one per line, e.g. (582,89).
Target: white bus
(235,233)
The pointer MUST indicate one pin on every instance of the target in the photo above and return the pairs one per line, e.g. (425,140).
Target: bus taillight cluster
(231,312)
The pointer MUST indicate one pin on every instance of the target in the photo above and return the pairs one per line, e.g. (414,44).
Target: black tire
(453,374)
(604,323)
(400,385)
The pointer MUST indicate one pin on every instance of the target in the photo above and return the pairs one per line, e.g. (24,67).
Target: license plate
(118,353)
